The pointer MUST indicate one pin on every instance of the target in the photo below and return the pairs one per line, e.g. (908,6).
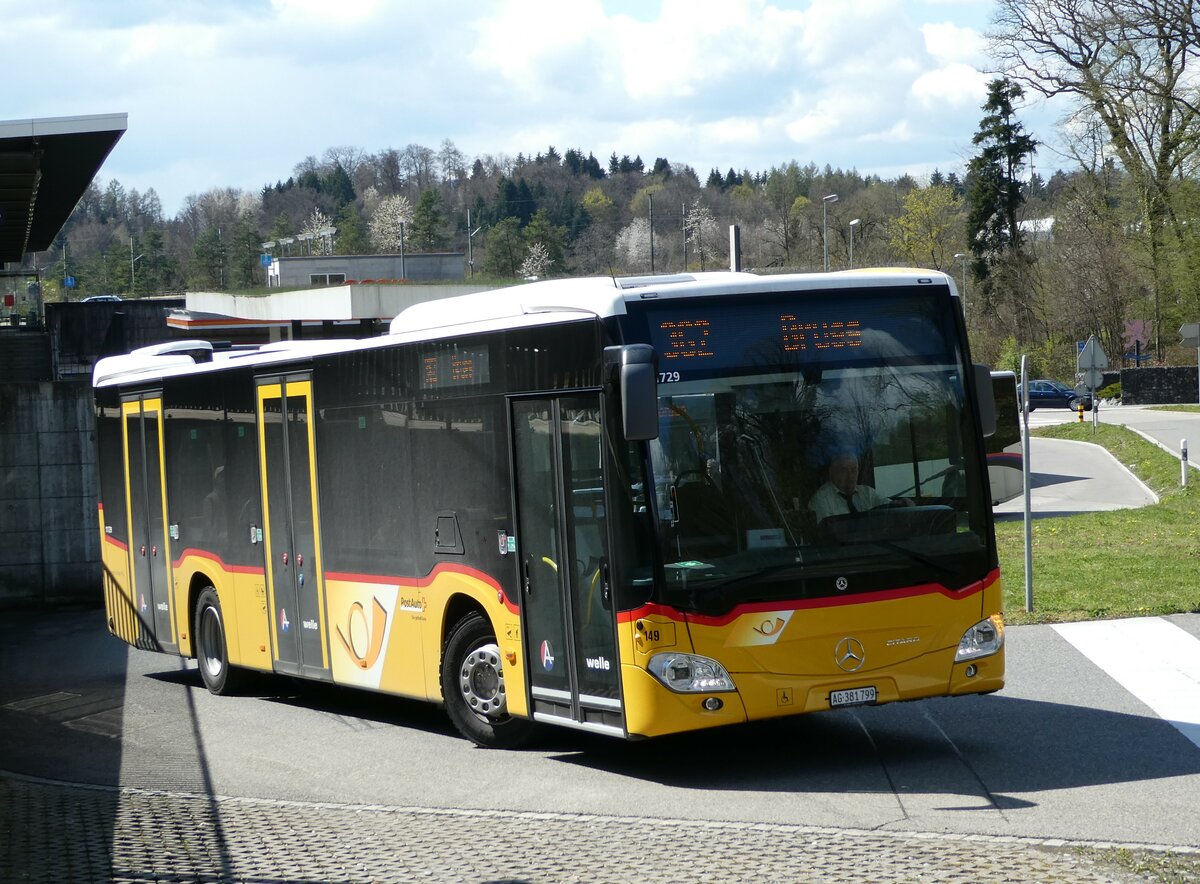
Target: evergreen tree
(505,248)
(1006,295)
(995,195)
(552,237)
(428,222)
(337,185)
(352,238)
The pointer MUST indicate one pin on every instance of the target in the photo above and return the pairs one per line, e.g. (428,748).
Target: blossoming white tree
(537,261)
(633,244)
(387,223)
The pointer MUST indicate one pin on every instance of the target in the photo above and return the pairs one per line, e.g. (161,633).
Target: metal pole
(683,214)
(825,201)
(1025,476)
(650,202)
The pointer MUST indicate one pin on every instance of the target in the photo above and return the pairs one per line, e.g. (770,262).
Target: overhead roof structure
(46,166)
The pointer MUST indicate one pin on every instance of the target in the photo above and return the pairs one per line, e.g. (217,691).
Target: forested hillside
(1107,246)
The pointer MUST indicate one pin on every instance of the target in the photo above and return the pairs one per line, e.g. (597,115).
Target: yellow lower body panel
(652,710)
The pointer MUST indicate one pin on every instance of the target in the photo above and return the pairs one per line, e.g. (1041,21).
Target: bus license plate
(852,696)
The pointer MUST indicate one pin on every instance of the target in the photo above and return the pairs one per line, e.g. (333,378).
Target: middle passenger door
(292,536)
(562,534)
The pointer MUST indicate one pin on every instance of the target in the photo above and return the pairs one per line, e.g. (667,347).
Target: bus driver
(842,494)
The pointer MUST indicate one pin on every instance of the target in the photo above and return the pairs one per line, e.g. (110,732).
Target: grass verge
(1123,563)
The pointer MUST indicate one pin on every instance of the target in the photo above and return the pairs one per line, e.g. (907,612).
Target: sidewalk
(1069,477)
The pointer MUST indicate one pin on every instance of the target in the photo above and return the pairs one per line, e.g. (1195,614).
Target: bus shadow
(1010,745)
(329,700)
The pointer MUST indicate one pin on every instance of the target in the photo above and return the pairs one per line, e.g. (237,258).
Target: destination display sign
(698,337)
(784,332)
(444,369)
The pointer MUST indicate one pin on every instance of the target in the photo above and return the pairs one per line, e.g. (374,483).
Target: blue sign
(69,282)
(265,260)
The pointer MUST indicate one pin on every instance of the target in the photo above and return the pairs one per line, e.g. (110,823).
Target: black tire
(473,687)
(212,654)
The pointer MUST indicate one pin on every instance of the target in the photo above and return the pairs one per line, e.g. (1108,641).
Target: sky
(236,93)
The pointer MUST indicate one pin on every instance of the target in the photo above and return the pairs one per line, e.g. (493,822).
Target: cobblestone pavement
(53,832)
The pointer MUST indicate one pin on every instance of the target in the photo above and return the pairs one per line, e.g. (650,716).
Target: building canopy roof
(46,166)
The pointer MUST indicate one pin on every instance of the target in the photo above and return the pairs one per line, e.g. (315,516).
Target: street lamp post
(132,264)
(853,224)
(825,201)
(962,256)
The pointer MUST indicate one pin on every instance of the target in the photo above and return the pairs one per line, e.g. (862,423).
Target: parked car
(93,298)
(1055,394)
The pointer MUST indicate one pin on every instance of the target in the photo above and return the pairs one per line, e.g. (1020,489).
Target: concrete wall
(49,532)
(421,266)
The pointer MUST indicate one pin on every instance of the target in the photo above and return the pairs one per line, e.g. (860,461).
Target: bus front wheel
(211,652)
(473,687)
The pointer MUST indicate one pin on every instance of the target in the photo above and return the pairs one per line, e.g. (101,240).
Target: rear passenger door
(145,489)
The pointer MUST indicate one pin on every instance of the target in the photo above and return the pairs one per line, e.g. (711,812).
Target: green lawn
(1124,563)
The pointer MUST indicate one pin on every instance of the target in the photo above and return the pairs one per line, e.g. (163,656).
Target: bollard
(1081,411)
(1183,462)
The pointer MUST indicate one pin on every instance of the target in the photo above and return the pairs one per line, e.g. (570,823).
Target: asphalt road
(1064,751)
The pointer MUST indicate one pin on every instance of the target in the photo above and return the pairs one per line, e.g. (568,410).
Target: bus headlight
(983,639)
(690,673)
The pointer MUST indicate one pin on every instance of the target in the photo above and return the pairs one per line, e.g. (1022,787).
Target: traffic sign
(1093,378)
(1091,356)
(1189,334)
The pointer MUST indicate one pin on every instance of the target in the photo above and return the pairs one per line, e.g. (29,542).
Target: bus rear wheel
(212,654)
(473,687)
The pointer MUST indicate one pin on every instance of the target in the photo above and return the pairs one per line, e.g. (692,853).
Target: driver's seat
(705,526)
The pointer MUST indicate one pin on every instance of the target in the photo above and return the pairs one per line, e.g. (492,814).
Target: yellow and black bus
(598,503)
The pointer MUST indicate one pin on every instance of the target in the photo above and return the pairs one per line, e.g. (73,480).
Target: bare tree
(1131,64)
(452,162)
(416,162)
(349,157)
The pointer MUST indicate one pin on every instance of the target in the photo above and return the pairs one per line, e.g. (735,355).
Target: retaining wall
(49,530)
(1159,385)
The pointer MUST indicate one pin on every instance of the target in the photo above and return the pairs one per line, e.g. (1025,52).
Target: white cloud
(947,42)
(957,85)
(221,92)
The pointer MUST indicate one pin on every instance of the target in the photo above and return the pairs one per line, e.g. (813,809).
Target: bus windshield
(812,446)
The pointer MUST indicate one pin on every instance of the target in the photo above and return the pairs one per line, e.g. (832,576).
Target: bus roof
(533,303)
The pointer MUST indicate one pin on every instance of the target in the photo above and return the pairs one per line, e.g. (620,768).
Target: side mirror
(987,399)
(637,383)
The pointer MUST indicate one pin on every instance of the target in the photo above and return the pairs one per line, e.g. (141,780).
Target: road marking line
(1152,658)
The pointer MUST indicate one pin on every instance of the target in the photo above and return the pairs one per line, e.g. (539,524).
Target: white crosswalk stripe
(1150,657)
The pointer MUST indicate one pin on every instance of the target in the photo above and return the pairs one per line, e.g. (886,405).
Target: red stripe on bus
(123,547)
(213,557)
(810,604)
(1004,458)
(423,582)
